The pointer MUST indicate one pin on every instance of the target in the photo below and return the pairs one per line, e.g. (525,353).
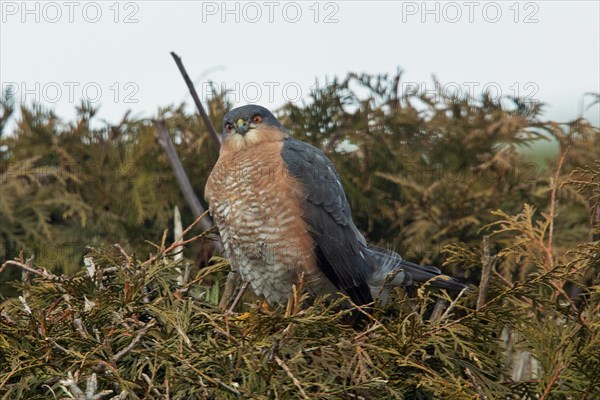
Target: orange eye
(257,119)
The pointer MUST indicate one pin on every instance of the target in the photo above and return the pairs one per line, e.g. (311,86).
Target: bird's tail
(405,273)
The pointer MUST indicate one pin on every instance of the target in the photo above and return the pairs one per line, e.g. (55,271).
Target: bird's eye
(228,126)
(257,119)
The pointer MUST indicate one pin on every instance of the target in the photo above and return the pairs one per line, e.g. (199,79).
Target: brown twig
(555,376)
(179,242)
(203,114)
(437,309)
(128,258)
(232,282)
(40,272)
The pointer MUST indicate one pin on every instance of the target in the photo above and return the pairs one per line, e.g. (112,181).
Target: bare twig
(217,244)
(28,268)
(71,387)
(476,385)
(487,261)
(180,242)
(453,304)
(25,305)
(203,114)
(296,382)
(178,234)
(555,186)
(183,273)
(128,258)
(25,275)
(135,341)
(164,140)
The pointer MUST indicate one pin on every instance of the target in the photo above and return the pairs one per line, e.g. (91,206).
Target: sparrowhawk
(281,211)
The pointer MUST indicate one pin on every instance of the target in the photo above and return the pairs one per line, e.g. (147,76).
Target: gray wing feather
(339,244)
(389,261)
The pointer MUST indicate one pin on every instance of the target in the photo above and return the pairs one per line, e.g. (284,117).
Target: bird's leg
(231,284)
(241,290)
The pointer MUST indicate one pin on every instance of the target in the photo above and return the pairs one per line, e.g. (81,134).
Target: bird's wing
(338,243)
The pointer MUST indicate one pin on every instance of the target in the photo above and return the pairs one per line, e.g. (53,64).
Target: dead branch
(203,114)
(40,272)
(164,140)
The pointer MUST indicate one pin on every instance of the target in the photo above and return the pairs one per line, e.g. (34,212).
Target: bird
(283,216)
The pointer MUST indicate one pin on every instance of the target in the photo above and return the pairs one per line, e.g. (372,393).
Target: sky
(116,54)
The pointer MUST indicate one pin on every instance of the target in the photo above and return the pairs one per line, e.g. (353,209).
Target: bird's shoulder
(319,177)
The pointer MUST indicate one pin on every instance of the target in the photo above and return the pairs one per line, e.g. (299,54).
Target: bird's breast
(258,208)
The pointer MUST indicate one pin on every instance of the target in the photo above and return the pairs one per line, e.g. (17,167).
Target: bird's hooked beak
(241,126)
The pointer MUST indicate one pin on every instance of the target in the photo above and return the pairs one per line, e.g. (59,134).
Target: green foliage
(127,328)
(426,174)
(421,170)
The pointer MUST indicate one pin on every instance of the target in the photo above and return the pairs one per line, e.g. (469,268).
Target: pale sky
(117,54)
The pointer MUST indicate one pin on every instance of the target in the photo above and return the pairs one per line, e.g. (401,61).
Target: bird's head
(249,125)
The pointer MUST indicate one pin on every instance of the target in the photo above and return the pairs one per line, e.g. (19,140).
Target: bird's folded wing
(338,243)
